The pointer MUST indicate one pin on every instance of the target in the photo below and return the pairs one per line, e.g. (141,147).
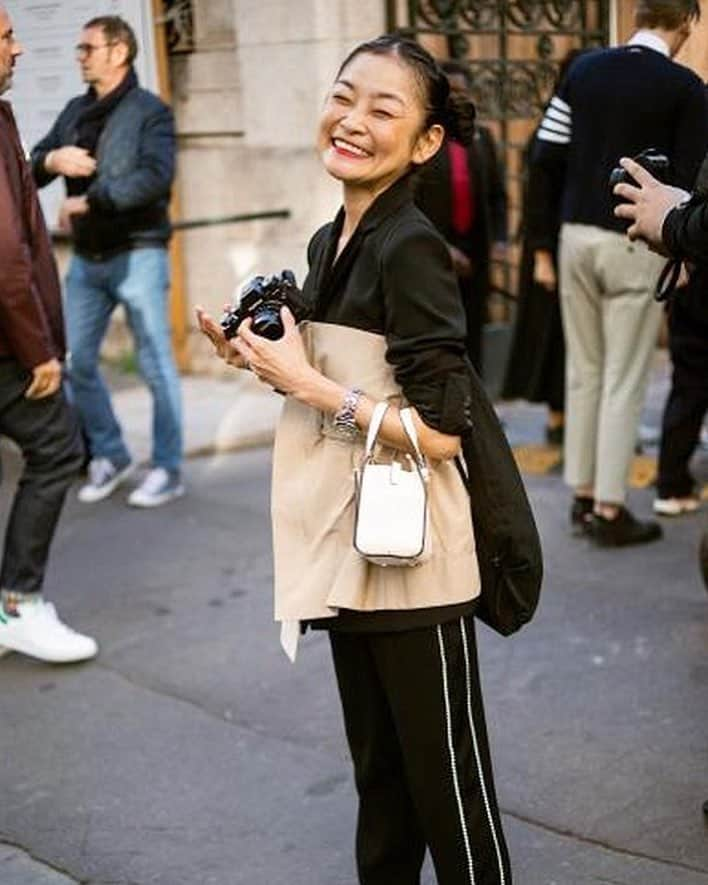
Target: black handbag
(507,541)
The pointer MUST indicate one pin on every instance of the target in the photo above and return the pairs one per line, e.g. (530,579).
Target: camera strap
(668,279)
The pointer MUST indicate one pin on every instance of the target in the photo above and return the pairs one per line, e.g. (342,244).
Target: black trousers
(415,725)
(48,435)
(684,412)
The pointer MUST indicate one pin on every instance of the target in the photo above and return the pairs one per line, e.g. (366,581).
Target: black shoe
(705,808)
(623,530)
(581,515)
(555,435)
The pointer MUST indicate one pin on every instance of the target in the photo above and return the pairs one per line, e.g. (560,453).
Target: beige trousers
(611,322)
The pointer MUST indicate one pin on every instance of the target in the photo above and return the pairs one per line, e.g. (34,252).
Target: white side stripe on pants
(480,772)
(453,762)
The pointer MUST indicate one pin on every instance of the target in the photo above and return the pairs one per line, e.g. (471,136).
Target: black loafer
(581,515)
(555,435)
(623,530)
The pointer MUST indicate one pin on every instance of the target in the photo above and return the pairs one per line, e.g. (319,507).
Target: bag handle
(411,433)
(377,417)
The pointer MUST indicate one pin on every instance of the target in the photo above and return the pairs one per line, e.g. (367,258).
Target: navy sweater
(615,103)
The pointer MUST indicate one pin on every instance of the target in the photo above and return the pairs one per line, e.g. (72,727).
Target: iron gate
(513,49)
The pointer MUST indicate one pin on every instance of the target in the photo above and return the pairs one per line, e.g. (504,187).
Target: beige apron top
(317,570)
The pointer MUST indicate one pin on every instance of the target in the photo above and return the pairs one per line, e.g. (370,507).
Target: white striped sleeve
(556,125)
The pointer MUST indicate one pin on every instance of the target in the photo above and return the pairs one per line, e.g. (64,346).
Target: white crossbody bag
(391,521)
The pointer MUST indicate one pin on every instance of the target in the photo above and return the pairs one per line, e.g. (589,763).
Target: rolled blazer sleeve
(22,317)
(425,327)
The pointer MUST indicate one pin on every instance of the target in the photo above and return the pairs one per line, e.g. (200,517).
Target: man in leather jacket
(33,410)
(115,147)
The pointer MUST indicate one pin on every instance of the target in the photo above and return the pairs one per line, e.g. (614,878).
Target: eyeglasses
(87,49)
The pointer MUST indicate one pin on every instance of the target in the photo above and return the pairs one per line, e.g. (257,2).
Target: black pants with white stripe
(415,724)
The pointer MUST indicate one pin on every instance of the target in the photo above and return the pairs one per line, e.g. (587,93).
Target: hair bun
(458,117)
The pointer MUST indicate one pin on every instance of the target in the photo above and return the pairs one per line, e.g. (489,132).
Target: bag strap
(411,433)
(377,417)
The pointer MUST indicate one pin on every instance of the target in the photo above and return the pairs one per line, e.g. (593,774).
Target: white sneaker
(104,479)
(158,487)
(37,631)
(675,506)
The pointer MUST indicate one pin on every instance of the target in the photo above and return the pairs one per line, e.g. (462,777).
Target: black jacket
(395,278)
(130,194)
(685,231)
(434,197)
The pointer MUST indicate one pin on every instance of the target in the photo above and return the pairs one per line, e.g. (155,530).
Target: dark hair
(116,30)
(668,14)
(454,113)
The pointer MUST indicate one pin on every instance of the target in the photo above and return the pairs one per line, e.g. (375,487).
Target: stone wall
(247,102)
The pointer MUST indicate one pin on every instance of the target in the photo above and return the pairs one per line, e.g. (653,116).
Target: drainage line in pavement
(598,843)
(10,843)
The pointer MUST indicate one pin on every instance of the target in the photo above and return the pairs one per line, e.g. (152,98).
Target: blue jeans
(139,280)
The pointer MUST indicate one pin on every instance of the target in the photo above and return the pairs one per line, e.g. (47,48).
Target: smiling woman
(387,324)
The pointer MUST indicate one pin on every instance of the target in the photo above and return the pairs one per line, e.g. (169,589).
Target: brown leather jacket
(31,322)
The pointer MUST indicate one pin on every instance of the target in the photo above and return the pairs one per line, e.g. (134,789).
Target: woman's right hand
(544,271)
(224,348)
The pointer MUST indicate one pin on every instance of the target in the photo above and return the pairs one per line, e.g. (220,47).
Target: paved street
(193,753)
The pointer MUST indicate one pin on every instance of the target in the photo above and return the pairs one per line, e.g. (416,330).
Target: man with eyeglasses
(33,410)
(115,147)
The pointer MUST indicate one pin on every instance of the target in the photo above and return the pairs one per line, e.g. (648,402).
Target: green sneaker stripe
(3,619)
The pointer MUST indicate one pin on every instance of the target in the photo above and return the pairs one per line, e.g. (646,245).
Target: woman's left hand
(283,363)
(224,349)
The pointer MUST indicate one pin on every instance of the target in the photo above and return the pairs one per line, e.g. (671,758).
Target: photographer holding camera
(675,223)
(612,103)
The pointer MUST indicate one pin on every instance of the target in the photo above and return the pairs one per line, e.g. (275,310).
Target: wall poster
(47,74)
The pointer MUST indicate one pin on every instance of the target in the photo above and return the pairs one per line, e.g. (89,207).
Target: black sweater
(615,103)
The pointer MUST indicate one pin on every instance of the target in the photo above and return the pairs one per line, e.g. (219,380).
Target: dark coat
(31,323)
(434,197)
(130,193)
(536,367)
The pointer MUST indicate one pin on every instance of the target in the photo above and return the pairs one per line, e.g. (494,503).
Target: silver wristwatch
(344,419)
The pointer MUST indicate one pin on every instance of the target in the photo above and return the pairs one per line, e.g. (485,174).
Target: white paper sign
(47,74)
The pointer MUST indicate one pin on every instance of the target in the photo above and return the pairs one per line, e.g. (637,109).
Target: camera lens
(267,322)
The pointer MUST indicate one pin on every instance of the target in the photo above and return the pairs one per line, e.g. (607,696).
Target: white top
(651,40)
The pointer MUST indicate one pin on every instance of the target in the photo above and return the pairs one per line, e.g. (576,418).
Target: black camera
(656,164)
(262,299)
